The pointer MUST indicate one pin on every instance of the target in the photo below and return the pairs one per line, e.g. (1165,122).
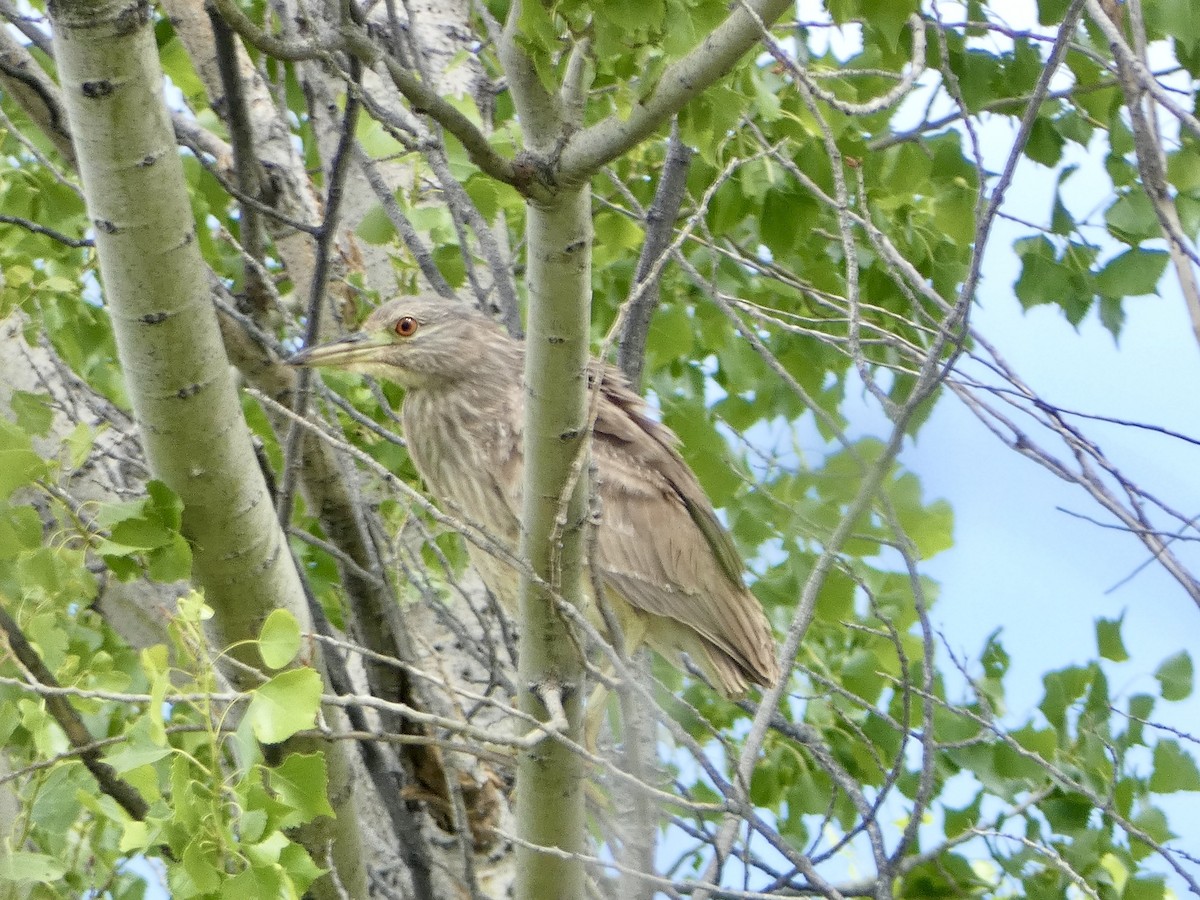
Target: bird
(670,571)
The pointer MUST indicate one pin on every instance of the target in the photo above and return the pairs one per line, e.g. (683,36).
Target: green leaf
(284,705)
(1174,770)
(279,640)
(450,263)
(1108,639)
(33,412)
(1112,315)
(19,463)
(20,529)
(1045,143)
(255,881)
(1151,887)
(301,783)
(299,867)
(1175,676)
(1042,279)
(375,227)
(1132,219)
(135,836)
(141,533)
(1062,689)
(131,756)
(1051,12)
(38,868)
(1011,764)
(164,504)
(170,562)
(205,877)
(1181,20)
(1131,274)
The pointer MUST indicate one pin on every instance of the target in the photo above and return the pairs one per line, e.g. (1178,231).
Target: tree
(244,648)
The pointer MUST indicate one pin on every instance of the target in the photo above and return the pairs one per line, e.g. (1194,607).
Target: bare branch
(588,150)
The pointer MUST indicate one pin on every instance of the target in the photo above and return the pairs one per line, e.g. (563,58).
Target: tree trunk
(178,378)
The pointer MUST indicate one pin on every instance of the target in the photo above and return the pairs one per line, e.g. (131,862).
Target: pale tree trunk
(550,778)
(400,848)
(178,378)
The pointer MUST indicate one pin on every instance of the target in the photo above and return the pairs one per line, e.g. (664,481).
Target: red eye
(406,327)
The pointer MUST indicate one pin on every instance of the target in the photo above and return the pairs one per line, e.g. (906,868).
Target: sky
(1021,564)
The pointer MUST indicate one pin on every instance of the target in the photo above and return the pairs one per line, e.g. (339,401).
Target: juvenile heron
(670,571)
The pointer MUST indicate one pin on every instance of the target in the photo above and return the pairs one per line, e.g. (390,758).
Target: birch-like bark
(550,776)
(178,378)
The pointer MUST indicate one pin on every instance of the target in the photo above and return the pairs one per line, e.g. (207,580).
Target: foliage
(827,245)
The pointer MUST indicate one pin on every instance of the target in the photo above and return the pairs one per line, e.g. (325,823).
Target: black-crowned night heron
(669,569)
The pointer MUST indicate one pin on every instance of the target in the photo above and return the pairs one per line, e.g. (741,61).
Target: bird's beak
(342,353)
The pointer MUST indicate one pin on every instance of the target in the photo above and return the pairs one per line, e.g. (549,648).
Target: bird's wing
(661,545)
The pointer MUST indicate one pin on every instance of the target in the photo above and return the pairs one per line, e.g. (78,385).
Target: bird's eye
(406,327)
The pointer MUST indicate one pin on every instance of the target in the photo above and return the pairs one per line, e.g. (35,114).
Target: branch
(339,166)
(660,221)
(1148,148)
(462,207)
(427,101)
(126,795)
(48,232)
(35,92)
(280,48)
(538,109)
(404,228)
(705,64)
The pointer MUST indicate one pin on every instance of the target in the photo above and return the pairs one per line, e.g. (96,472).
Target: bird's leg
(631,634)
(593,720)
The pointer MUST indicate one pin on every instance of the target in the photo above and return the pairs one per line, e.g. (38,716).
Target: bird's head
(417,342)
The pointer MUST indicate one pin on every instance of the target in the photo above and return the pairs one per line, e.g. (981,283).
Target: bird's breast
(469,457)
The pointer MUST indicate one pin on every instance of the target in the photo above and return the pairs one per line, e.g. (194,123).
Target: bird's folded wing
(660,543)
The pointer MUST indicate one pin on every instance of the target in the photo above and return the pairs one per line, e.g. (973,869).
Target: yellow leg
(634,633)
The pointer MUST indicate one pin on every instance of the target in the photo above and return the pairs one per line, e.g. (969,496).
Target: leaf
(284,705)
(255,881)
(164,504)
(199,868)
(1174,770)
(301,783)
(1011,764)
(1108,639)
(19,463)
(1175,676)
(1112,315)
(131,757)
(450,263)
(135,837)
(141,533)
(375,227)
(32,412)
(1132,220)
(299,867)
(170,562)
(1042,279)
(1062,689)
(1181,20)
(1051,12)
(1131,274)
(279,640)
(20,865)
(1045,143)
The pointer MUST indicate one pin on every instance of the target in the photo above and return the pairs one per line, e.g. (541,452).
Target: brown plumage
(670,570)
